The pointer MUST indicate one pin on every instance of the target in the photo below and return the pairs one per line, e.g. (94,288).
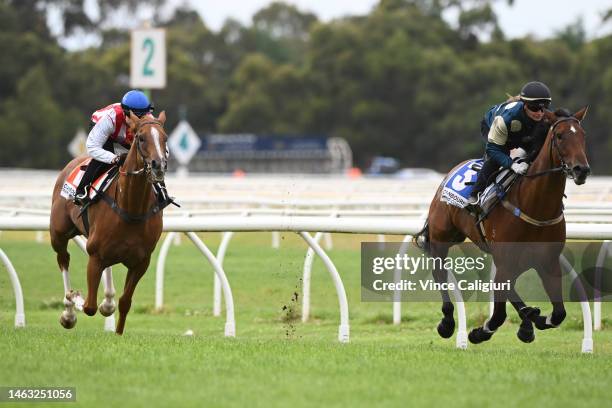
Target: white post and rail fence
(302,225)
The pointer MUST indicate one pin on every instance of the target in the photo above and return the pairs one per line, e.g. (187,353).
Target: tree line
(400,81)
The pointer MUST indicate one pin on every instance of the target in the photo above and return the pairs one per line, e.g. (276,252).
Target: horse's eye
(559,136)
(141,138)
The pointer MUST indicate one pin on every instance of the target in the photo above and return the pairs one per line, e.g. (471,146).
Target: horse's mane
(563,112)
(537,139)
(541,130)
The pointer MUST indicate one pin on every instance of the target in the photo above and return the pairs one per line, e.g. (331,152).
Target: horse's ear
(549,116)
(581,114)
(131,120)
(162,117)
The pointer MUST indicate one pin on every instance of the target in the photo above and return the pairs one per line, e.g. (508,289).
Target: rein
(517,212)
(156,207)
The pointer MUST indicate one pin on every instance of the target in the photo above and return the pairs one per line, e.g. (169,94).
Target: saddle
(459,184)
(101,184)
(495,192)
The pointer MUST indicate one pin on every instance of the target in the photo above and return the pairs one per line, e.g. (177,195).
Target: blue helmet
(137,102)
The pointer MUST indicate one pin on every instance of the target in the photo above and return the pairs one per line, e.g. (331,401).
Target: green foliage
(37,128)
(398,81)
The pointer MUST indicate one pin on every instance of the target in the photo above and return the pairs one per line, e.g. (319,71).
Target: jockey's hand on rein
(520,168)
(118,160)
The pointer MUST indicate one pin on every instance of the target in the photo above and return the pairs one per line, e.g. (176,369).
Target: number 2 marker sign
(148,59)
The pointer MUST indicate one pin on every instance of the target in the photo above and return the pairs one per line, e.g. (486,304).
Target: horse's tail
(421,238)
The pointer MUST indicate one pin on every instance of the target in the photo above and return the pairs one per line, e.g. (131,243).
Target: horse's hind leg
(446,327)
(60,245)
(125,301)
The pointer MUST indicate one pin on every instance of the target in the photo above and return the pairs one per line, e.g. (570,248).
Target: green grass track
(276,360)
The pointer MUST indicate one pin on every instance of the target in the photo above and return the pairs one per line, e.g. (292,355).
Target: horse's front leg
(125,301)
(490,326)
(526,313)
(94,274)
(551,279)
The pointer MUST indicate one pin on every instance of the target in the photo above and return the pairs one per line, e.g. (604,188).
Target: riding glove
(520,168)
(119,159)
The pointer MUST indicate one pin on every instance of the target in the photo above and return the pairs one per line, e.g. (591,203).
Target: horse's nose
(580,173)
(158,168)
(582,170)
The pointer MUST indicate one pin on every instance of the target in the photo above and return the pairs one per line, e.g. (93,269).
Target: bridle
(158,205)
(563,167)
(146,168)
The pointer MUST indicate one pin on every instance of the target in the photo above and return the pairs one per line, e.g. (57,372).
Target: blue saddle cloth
(455,190)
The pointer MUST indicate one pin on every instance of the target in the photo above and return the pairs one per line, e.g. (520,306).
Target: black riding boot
(94,169)
(488,168)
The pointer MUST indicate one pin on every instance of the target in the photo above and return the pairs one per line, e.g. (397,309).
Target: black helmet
(535,91)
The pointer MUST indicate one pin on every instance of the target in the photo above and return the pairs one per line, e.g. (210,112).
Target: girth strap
(85,220)
(124,215)
(134,219)
(518,213)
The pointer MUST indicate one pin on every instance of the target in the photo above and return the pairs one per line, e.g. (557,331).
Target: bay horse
(532,213)
(124,229)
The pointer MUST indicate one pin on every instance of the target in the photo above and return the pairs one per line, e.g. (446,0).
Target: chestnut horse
(123,233)
(539,197)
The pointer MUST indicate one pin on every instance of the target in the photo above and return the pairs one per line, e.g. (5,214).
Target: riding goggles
(138,112)
(538,106)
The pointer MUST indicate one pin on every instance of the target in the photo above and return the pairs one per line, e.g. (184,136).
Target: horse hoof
(107,308)
(89,311)
(478,335)
(530,313)
(525,335)
(446,328)
(540,323)
(68,319)
(473,337)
